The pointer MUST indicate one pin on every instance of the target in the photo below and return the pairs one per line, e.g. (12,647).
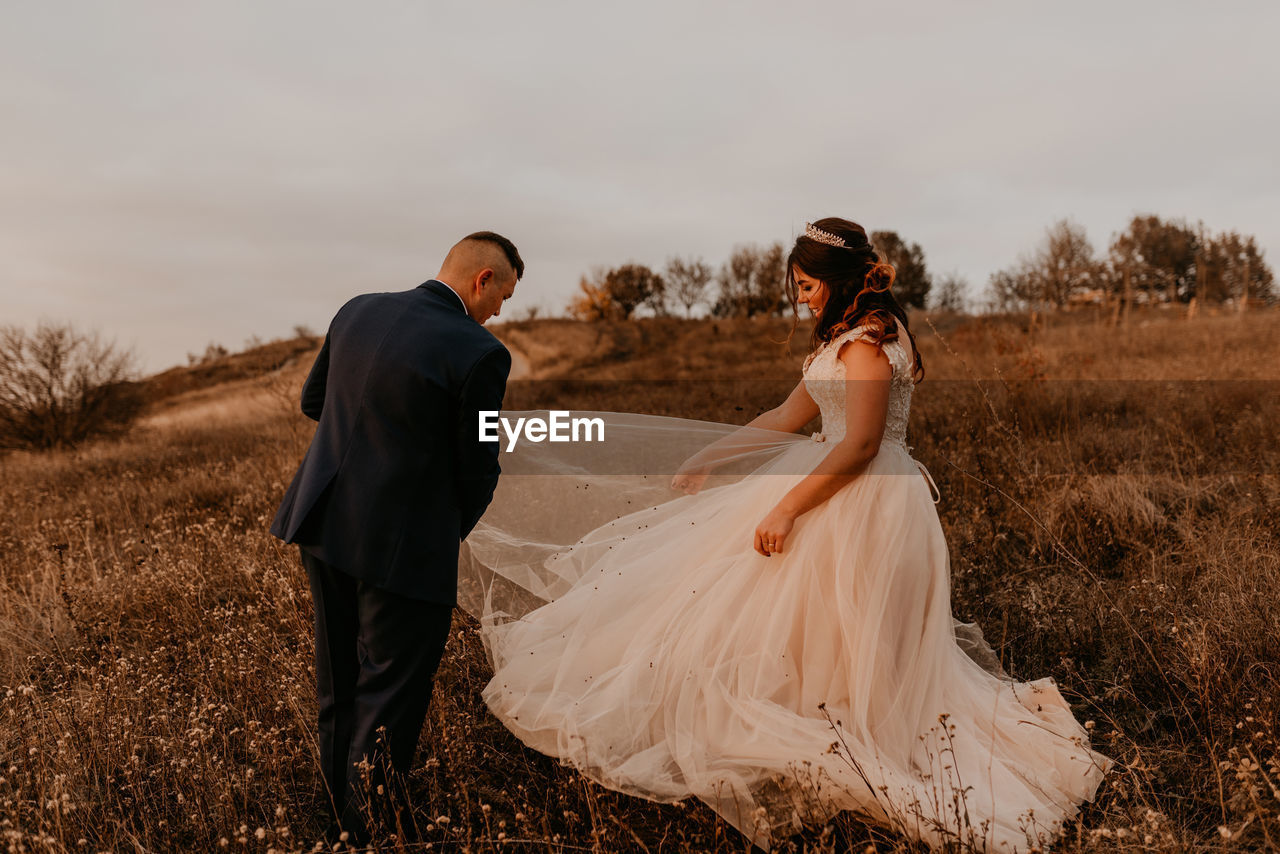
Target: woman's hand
(689,478)
(773,531)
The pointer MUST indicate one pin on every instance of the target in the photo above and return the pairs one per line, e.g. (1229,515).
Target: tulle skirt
(656,651)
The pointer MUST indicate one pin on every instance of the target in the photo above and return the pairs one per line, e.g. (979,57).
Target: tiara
(812,231)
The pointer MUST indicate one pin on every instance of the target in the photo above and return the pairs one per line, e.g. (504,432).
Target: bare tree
(751,282)
(1061,269)
(59,387)
(687,281)
(734,278)
(768,294)
(1015,288)
(1067,264)
(949,294)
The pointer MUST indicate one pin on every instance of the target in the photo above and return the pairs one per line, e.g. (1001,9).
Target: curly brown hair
(858,283)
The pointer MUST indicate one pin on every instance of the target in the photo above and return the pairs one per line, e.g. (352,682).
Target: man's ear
(483,277)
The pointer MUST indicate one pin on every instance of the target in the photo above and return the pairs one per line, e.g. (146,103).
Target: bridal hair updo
(858,283)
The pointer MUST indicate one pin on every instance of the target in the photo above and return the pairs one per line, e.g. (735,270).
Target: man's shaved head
(482,268)
(483,249)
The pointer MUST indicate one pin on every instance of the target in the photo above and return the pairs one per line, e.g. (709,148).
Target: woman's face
(810,291)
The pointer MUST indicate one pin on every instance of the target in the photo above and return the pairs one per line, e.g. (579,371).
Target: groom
(394,479)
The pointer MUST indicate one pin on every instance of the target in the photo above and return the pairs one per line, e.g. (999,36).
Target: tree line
(1152,261)
(747,284)
(59,386)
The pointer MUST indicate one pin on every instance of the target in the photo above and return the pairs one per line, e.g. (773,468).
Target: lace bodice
(824,379)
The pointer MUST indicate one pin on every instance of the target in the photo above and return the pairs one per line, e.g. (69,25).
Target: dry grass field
(1109,496)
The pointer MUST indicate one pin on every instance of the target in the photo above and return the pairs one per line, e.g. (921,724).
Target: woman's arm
(790,415)
(866,410)
(787,417)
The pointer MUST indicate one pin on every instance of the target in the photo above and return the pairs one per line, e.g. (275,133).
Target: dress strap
(850,334)
(847,335)
(933,487)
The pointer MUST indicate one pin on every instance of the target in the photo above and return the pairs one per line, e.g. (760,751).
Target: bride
(775,638)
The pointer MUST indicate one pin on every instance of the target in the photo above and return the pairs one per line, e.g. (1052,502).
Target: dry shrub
(59,387)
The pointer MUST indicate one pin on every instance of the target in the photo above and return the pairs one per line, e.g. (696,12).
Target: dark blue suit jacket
(395,476)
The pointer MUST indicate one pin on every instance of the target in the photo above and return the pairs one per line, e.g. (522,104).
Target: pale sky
(175,174)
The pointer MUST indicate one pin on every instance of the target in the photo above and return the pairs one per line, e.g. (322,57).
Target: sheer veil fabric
(636,635)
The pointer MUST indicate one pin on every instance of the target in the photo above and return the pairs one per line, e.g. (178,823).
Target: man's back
(395,476)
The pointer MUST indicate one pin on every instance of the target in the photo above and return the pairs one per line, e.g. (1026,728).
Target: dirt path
(521,367)
(266,396)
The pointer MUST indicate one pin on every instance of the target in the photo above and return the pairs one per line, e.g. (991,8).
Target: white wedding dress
(636,634)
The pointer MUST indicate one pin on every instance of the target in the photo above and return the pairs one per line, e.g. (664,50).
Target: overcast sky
(173,174)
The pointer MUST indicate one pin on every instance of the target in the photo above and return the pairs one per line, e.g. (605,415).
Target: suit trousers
(376,658)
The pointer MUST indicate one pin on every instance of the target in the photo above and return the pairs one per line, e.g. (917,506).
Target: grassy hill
(1109,499)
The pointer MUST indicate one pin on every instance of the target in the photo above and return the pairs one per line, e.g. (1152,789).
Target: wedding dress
(639,637)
